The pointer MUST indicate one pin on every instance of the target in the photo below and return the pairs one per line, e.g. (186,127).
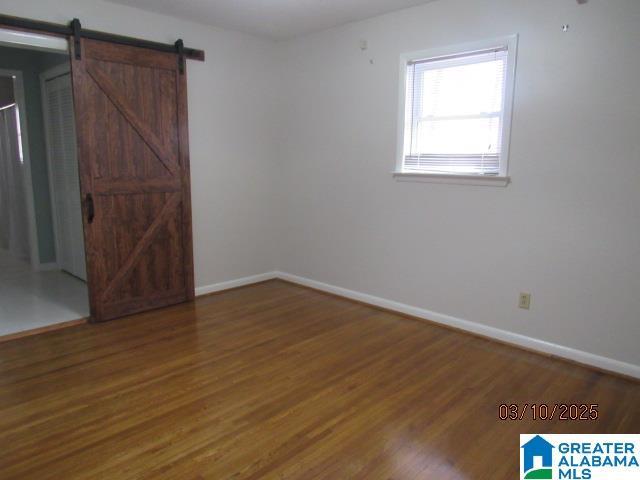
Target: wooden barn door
(131,117)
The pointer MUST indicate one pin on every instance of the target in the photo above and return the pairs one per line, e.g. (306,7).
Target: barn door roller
(76,28)
(180,49)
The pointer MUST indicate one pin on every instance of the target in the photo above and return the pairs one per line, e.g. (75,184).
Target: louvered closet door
(132,147)
(65,183)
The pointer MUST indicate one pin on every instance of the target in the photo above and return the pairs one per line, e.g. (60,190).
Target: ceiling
(276,19)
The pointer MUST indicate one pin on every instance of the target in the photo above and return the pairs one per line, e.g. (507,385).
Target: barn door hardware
(180,49)
(76,28)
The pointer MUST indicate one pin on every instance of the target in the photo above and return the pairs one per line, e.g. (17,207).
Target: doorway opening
(42,253)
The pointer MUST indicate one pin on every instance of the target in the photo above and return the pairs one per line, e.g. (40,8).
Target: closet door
(131,117)
(63,172)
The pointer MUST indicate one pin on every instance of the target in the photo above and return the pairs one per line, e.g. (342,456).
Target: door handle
(91,213)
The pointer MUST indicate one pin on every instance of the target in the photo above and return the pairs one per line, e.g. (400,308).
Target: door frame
(18,91)
(44,76)
(21,38)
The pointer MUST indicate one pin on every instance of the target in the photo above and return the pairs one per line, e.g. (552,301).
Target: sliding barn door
(131,120)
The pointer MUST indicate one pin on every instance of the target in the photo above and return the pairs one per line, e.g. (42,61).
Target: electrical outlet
(525,301)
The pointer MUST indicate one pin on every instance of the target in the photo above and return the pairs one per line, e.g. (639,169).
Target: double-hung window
(457,112)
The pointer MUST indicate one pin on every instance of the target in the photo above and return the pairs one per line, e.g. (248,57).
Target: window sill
(452,179)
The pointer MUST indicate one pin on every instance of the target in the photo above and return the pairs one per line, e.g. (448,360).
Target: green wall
(31,64)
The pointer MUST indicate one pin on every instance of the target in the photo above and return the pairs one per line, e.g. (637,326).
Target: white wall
(231,142)
(567,229)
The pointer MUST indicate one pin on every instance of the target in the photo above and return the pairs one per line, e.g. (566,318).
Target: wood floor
(278,381)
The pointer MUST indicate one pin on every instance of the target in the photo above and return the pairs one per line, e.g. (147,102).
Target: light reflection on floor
(31,299)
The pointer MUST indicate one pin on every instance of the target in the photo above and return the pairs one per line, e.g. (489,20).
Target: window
(457,112)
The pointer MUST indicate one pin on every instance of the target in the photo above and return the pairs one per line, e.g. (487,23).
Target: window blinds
(454,113)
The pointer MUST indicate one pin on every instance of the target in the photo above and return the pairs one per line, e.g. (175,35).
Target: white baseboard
(579,356)
(604,363)
(240,282)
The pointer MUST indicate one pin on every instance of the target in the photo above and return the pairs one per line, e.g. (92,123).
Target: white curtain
(14,230)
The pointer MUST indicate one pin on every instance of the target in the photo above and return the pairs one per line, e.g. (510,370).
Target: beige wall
(293,144)
(566,230)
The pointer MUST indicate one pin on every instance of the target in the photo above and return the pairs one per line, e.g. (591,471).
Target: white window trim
(503,179)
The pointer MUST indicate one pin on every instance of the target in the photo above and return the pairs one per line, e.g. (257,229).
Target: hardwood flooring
(279,381)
